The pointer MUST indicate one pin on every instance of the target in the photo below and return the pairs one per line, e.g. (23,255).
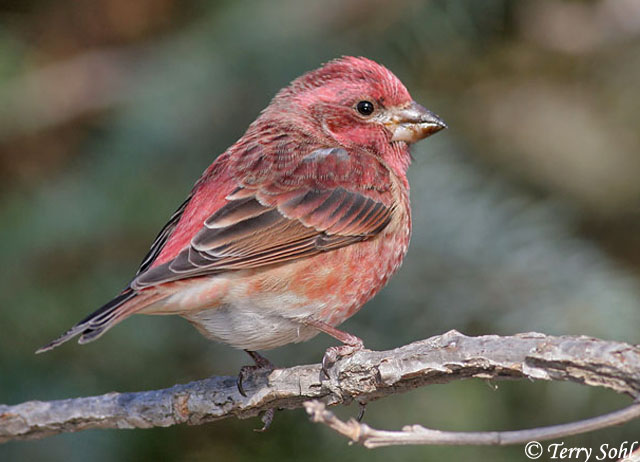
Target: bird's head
(357,102)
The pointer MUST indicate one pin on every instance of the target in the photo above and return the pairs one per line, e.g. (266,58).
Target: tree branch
(364,376)
(417,434)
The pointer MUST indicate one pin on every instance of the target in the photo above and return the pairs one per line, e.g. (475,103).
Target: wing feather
(163,237)
(279,221)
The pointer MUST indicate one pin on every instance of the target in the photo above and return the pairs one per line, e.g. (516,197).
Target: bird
(294,227)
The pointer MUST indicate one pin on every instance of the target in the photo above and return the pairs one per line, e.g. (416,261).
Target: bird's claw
(245,371)
(332,354)
(363,408)
(266,418)
(261,364)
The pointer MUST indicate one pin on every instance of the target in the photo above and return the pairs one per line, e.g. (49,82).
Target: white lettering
(555,447)
(603,452)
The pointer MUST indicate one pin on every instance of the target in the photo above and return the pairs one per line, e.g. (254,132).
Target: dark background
(526,211)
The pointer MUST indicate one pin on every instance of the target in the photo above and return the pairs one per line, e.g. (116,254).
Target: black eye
(365,108)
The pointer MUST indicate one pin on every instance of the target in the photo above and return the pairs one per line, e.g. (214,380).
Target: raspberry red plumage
(297,224)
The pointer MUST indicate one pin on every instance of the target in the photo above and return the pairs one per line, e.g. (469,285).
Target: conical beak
(413,123)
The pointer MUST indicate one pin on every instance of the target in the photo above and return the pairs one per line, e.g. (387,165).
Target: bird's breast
(349,277)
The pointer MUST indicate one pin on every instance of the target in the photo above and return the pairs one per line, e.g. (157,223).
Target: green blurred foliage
(526,211)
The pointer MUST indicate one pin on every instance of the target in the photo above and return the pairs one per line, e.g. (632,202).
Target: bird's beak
(412,123)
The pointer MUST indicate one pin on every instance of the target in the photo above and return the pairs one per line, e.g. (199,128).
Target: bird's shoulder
(289,161)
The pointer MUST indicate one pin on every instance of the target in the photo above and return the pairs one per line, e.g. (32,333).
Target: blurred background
(526,211)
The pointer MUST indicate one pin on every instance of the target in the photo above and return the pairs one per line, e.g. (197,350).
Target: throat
(398,158)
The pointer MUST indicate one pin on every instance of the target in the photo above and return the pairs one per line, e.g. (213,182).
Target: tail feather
(98,322)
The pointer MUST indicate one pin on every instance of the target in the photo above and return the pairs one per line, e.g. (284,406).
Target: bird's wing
(288,208)
(162,237)
(253,209)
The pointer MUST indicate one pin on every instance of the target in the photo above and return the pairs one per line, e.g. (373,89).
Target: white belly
(251,329)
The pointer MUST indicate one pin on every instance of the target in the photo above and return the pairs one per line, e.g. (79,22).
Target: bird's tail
(101,320)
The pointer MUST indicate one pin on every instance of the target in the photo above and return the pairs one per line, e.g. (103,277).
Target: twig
(364,376)
(417,434)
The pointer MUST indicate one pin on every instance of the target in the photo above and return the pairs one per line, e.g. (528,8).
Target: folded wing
(294,214)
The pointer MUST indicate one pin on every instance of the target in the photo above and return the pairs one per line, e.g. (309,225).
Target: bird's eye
(365,108)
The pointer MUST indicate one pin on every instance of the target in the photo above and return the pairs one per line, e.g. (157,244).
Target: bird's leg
(351,343)
(261,364)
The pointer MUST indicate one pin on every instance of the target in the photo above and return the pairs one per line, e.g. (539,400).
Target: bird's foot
(266,418)
(351,344)
(334,353)
(262,364)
